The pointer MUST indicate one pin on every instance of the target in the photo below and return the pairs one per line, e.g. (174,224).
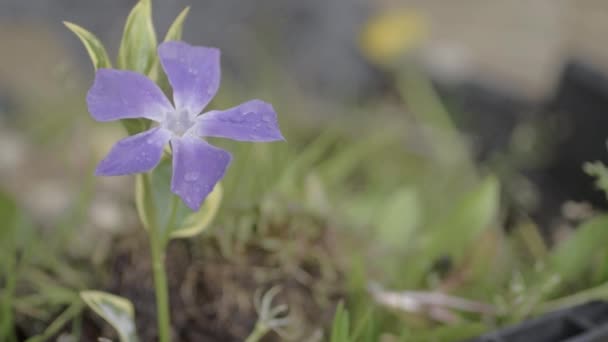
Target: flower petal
(254,120)
(194,73)
(197,167)
(137,153)
(122,94)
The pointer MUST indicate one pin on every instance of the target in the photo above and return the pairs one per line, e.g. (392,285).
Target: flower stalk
(157,250)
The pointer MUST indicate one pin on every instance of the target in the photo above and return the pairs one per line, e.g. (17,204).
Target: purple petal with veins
(254,120)
(137,153)
(122,94)
(197,167)
(194,74)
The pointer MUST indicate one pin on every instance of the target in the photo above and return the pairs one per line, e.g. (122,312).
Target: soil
(212,295)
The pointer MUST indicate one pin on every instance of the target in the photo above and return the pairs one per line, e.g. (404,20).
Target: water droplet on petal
(191,176)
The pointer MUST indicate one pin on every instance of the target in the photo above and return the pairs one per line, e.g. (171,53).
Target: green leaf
(399,217)
(117,311)
(94,47)
(138,46)
(174,33)
(573,256)
(59,323)
(184,223)
(175,30)
(341,325)
(473,213)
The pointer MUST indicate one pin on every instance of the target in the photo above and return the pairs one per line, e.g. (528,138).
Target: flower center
(178,122)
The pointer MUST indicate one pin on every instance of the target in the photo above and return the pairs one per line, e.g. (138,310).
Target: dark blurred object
(573,121)
(581,105)
(486,113)
(584,323)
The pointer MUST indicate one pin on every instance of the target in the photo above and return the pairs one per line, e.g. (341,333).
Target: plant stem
(160,288)
(157,246)
(258,332)
(172,216)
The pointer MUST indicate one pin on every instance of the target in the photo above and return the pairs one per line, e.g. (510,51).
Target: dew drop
(191,176)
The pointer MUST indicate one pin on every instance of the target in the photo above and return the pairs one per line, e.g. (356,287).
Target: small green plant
(177,190)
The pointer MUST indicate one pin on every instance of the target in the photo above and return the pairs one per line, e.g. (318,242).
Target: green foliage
(399,217)
(94,47)
(35,279)
(571,257)
(175,30)
(8,266)
(138,46)
(472,213)
(117,311)
(340,331)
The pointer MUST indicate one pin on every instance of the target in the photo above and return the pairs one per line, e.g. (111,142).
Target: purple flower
(194,74)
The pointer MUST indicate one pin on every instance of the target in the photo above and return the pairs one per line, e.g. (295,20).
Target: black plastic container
(584,323)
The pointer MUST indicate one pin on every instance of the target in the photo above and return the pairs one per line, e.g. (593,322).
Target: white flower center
(178,122)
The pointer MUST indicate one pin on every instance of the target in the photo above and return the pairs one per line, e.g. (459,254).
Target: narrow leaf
(175,30)
(341,325)
(399,217)
(572,256)
(138,46)
(94,47)
(117,311)
(472,214)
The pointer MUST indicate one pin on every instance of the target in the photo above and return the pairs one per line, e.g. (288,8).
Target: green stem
(157,246)
(258,332)
(172,216)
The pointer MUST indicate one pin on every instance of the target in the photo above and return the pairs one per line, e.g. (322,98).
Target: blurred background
(450,147)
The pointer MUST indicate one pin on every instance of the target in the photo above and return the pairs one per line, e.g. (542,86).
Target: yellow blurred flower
(388,35)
